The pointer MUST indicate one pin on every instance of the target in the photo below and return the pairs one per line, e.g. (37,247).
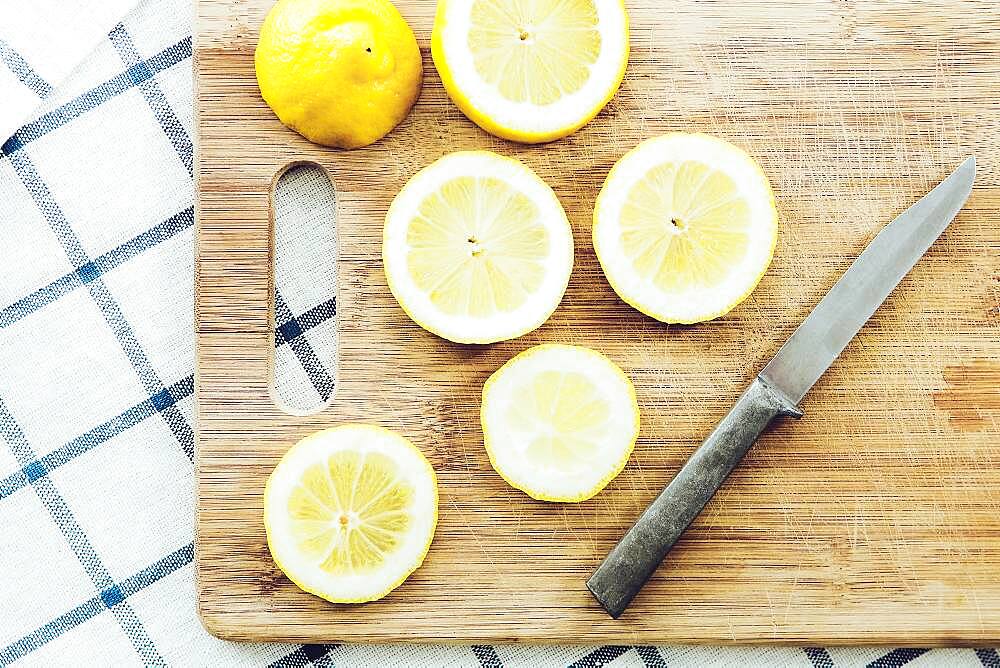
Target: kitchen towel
(97,363)
(41,41)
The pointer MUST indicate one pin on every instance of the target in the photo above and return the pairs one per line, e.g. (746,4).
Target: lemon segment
(685,227)
(350,512)
(559,422)
(341,73)
(477,249)
(530,70)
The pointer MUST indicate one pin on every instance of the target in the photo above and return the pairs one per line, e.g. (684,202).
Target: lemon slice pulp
(685,227)
(350,512)
(530,70)
(559,422)
(477,249)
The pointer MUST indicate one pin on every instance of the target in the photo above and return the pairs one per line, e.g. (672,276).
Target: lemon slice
(350,512)
(530,70)
(477,248)
(685,227)
(559,422)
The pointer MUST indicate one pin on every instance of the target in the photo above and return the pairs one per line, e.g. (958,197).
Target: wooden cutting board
(874,519)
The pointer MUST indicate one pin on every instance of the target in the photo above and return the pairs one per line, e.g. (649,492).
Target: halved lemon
(339,72)
(350,512)
(530,70)
(559,422)
(685,227)
(477,248)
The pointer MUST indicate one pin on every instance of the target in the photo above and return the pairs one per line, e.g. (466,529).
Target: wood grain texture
(874,519)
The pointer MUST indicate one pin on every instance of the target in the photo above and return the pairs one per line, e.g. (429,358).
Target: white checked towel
(96,362)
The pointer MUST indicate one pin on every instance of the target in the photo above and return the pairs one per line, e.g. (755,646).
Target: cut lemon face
(350,512)
(477,248)
(685,227)
(559,422)
(530,70)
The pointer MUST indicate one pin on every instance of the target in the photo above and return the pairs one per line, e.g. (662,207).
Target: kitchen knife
(778,389)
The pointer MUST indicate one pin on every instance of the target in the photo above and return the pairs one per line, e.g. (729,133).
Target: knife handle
(625,570)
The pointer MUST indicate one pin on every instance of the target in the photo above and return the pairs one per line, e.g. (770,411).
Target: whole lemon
(341,73)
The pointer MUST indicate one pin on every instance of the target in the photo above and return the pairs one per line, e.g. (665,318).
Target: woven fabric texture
(97,362)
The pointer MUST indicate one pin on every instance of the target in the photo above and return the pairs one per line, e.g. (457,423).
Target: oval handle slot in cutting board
(304,254)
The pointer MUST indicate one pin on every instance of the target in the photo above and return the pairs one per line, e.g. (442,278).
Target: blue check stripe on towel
(110,592)
(133,76)
(90,276)
(23,71)
(35,471)
(98,266)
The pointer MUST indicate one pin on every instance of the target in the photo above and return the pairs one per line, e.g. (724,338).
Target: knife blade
(865,285)
(779,387)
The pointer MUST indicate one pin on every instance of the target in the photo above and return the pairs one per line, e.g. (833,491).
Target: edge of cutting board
(864,527)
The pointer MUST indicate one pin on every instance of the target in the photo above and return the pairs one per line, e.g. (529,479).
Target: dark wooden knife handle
(625,570)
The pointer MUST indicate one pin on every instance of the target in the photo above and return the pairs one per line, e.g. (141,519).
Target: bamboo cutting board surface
(874,519)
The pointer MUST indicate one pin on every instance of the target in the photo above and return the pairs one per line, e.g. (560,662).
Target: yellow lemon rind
(619,466)
(284,90)
(290,572)
(645,308)
(482,118)
(451,336)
